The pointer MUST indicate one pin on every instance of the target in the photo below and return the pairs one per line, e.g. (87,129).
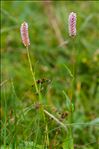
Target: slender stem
(36,87)
(72,87)
(5,121)
(33,75)
(73,57)
(15,122)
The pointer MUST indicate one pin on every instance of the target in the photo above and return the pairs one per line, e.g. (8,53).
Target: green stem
(73,86)
(36,87)
(5,120)
(73,67)
(33,75)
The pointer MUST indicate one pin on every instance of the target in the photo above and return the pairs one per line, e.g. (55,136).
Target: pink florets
(72,24)
(24,34)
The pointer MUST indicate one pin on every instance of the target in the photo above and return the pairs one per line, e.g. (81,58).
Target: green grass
(50,119)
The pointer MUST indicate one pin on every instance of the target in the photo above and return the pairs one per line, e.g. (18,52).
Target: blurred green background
(50,48)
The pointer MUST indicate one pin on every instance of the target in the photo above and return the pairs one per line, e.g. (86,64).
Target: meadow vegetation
(64,114)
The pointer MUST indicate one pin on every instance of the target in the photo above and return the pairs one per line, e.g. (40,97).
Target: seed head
(24,34)
(72,24)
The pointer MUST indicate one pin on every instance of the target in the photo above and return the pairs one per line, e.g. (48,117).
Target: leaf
(68,101)
(68,143)
(69,71)
(72,107)
(95,121)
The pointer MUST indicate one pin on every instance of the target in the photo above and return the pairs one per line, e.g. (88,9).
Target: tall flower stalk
(72,33)
(26,42)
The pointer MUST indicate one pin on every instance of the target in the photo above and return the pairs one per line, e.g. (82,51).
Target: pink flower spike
(72,24)
(24,34)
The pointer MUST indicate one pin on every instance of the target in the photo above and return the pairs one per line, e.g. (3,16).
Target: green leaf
(68,143)
(72,107)
(95,121)
(68,101)
(69,71)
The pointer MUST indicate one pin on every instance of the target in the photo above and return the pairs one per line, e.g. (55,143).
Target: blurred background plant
(22,124)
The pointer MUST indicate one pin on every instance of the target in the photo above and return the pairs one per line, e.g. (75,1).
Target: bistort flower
(72,24)
(24,34)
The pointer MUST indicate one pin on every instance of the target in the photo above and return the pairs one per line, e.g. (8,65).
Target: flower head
(24,34)
(72,24)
